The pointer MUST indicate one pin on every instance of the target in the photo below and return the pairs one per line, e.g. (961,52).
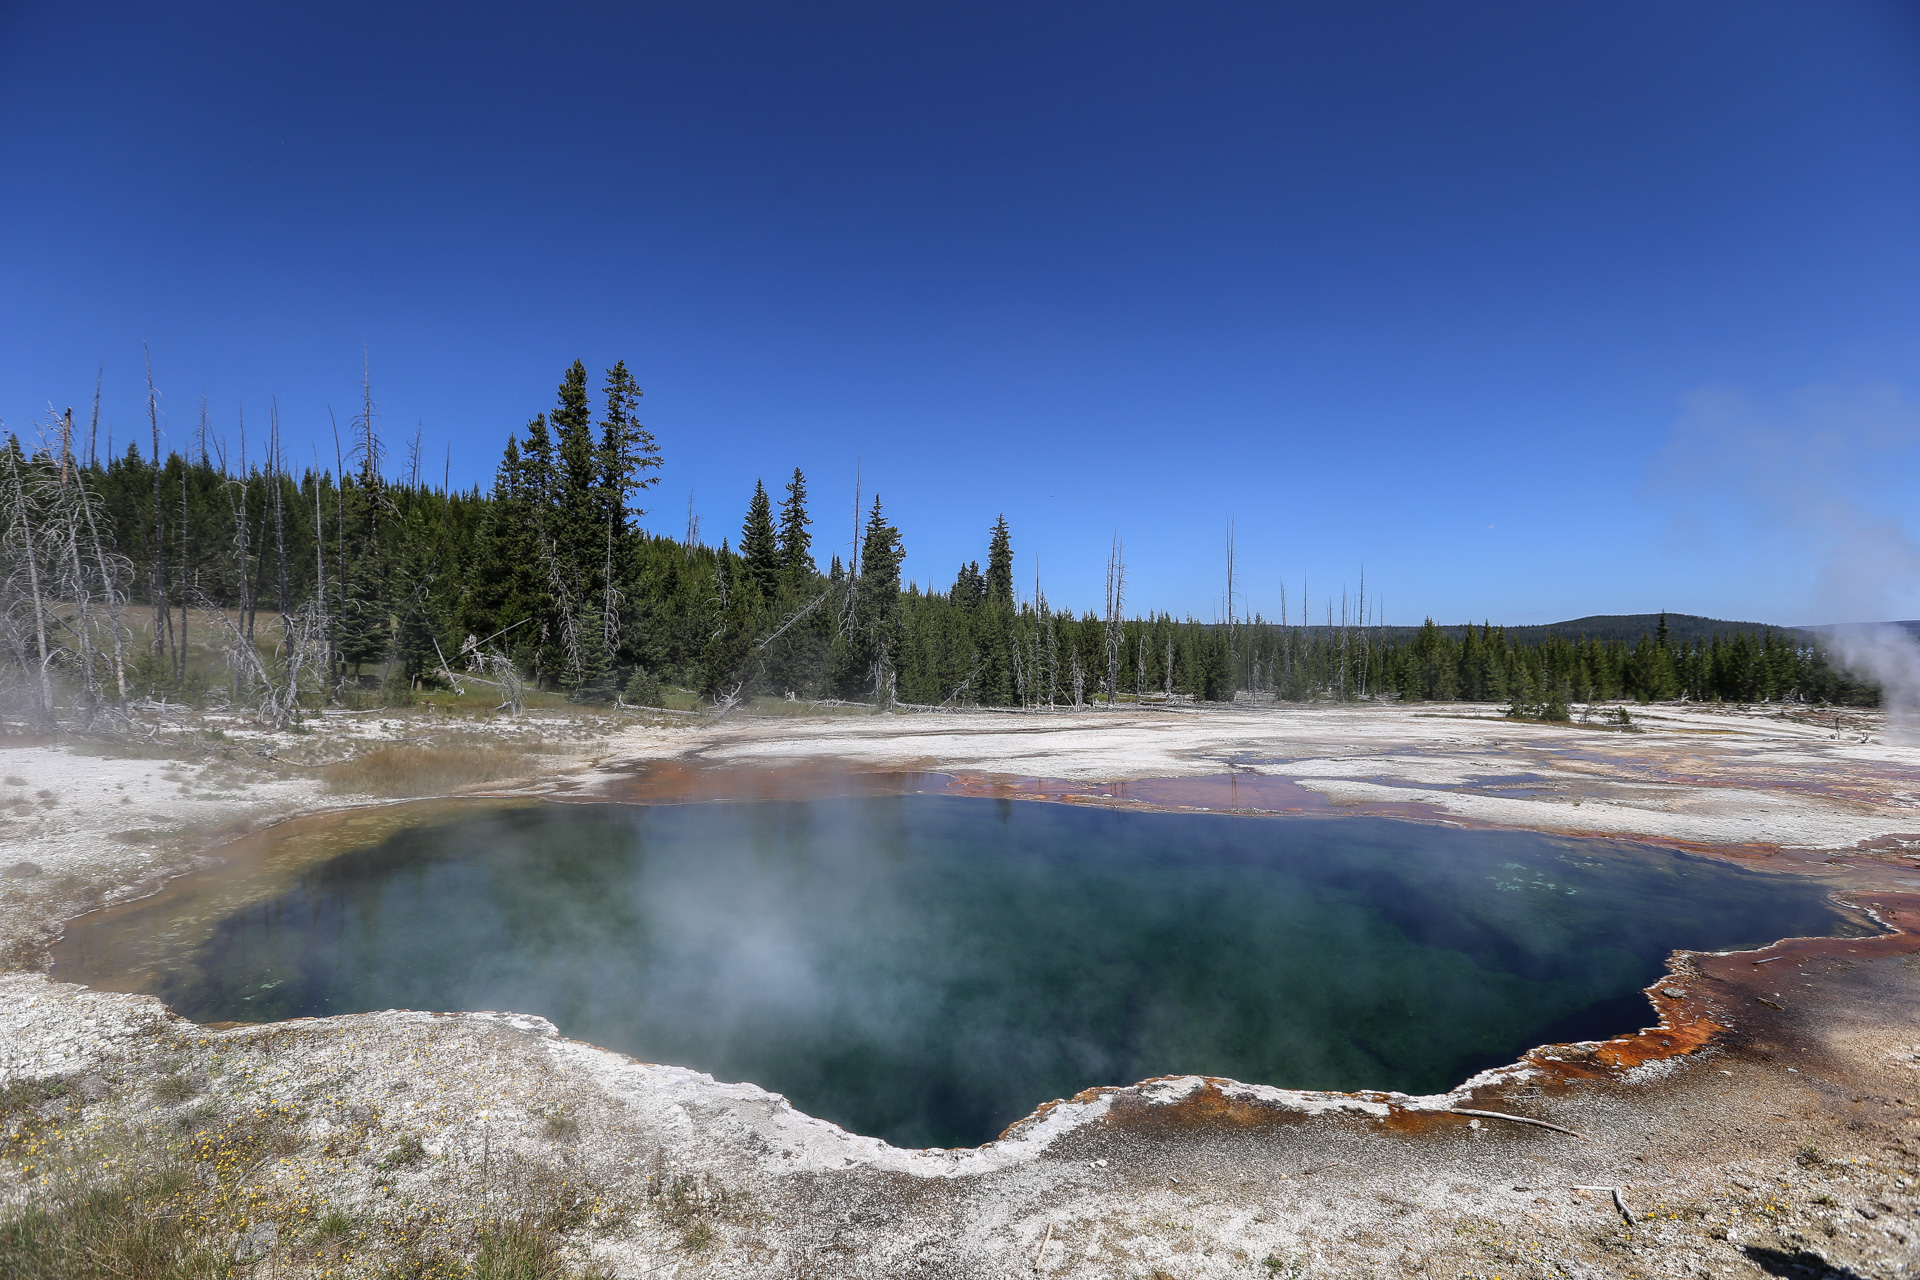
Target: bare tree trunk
(1019,667)
(1115,634)
(611,597)
(157,568)
(20,518)
(278,481)
(93,428)
(186,583)
(1286,645)
(335,658)
(241,550)
(1233,662)
(76,587)
(109,578)
(320,555)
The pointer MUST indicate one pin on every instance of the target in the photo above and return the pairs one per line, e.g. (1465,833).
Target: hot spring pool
(928,969)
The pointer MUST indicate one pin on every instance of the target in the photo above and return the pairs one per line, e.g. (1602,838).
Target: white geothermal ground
(1748,1131)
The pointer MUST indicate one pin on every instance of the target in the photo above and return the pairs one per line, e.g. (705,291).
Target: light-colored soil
(1768,1120)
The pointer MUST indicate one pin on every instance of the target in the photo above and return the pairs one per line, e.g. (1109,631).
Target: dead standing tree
(1233,658)
(1115,636)
(92,584)
(157,570)
(112,570)
(24,606)
(302,663)
(59,604)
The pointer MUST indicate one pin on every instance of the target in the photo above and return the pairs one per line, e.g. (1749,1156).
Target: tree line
(364,579)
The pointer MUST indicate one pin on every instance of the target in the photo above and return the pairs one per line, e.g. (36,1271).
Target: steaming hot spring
(928,969)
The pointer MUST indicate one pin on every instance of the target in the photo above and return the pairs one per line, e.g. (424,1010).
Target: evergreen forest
(365,581)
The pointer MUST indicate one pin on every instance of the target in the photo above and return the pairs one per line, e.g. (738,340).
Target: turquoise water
(928,969)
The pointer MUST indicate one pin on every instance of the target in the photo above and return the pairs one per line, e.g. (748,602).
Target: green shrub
(644,689)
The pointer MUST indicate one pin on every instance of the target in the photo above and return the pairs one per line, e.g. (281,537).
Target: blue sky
(1439,291)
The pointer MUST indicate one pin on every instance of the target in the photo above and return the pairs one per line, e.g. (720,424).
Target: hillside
(1625,627)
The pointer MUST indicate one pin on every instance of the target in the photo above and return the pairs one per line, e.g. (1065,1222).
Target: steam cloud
(1822,468)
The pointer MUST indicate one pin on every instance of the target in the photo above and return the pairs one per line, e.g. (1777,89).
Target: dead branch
(1619,1201)
(1501,1115)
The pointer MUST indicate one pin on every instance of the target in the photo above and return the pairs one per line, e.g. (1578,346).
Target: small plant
(561,1126)
(698,1236)
(30,1095)
(333,1224)
(174,1088)
(1807,1156)
(521,1250)
(407,1153)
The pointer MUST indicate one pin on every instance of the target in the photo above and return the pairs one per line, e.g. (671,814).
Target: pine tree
(880,558)
(578,520)
(759,552)
(796,544)
(366,580)
(875,646)
(627,456)
(1000,565)
(593,683)
(969,588)
(628,451)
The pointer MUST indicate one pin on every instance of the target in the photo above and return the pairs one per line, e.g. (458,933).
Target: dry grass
(425,770)
(133,1230)
(203,1195)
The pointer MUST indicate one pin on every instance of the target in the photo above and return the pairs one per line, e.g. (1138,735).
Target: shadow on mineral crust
(1803,1263)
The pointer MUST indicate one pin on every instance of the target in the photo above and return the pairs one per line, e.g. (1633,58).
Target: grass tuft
(518,1251)
(30,1095)
(408,1152)
(174,1088)
(333,1224)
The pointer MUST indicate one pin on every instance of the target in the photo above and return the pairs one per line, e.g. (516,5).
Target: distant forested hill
(1909,625)
(1627,627)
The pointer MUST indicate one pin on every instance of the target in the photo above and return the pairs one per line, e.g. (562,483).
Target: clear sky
(1532,310)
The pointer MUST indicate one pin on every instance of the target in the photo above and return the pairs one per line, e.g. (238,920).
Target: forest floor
(1767,1123)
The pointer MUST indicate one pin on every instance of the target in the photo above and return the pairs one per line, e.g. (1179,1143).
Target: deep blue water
(928,969)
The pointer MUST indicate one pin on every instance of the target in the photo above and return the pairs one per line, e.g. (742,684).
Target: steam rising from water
(1891,657)
(1825,475)
(929,969)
